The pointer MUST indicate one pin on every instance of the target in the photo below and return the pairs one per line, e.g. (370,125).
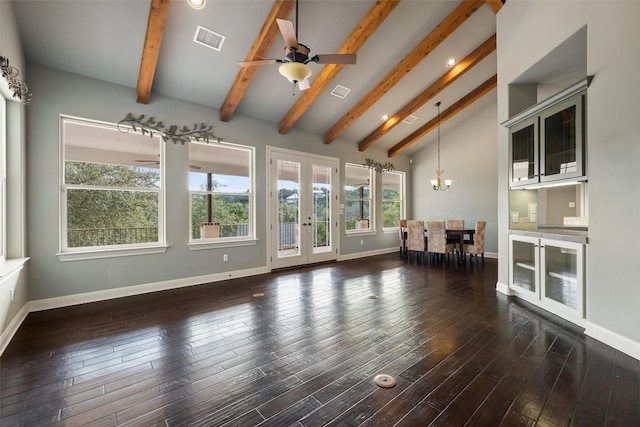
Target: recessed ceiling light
(196,4)
(451,62)
(385,117)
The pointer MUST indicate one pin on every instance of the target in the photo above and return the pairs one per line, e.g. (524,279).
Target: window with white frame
(3,177)
(221,191)
(112,192)
(392,198)
(358,198)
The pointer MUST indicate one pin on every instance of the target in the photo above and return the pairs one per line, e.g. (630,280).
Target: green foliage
(110,216)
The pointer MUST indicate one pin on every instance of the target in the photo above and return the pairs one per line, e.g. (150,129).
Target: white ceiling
(103,39)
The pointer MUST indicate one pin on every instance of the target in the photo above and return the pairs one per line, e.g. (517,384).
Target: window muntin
(221,191)
(358,198)
(112,187)
(392,198)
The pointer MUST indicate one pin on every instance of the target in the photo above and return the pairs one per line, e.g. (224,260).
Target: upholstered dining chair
(455,224)
(437,239)
(476,246)
(402,229)
(415,239)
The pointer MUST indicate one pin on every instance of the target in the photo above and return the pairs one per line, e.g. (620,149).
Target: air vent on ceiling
(208,38)
(340,91)
(410,120)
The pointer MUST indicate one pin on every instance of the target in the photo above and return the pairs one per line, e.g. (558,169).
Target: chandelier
(437,183)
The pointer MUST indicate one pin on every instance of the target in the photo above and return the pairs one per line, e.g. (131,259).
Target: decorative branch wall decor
(18,87)
(173,133)
(378,166)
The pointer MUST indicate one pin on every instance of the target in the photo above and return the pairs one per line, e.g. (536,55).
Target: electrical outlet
(11,294)
(225,257)
(361,242)
(572,204)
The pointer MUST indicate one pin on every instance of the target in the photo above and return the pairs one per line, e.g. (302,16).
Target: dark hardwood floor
(306,354)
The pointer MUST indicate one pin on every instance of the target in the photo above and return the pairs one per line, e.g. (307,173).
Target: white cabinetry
(549,273)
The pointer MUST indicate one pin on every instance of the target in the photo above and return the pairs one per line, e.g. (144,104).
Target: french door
(303,220)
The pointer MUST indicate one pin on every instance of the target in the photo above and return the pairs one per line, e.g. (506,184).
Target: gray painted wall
(468,156)
(612,291)
(57,92)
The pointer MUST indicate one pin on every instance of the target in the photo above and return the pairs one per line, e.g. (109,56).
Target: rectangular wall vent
(208,38)
(340,91)
(410,120)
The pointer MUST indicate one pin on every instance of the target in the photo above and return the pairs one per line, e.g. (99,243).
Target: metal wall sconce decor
(18,87)
(174,133)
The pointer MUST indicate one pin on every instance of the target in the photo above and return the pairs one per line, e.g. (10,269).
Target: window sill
(197,246)
(351,233)
(10,266)
(111,253)
(390,230)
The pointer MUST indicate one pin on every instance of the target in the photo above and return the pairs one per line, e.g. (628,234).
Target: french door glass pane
(321,209)
(524,265)
(288,208)
(561,275)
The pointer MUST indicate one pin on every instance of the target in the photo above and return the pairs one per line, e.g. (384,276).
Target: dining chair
(437,245)
(415,239)
(402,234)
(455,224)
(476,245)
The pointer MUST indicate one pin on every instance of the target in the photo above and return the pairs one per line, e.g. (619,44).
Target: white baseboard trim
(624,344)
(374,252)
(12,327)
(502,288)
(125,291)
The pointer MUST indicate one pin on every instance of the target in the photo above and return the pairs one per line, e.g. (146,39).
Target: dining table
(452,233)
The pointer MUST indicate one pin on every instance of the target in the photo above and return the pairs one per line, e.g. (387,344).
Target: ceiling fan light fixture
(295,71)
(197,4)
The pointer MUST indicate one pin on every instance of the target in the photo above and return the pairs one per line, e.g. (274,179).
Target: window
(392,198)
(112,193)
(3,177)
(358,201)
(221,191)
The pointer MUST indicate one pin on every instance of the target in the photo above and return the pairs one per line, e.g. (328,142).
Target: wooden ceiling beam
(448,25)
(455,108)
(481,52)
(158,11)
(263,42)
(377,14)
(495,5)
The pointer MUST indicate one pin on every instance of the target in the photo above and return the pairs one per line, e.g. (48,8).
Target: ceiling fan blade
(288,33)
(335,58)
(257,63)
(151,162)
(304,84)
(194,167)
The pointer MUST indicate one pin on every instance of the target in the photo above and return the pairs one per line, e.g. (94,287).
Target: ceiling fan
(297,56)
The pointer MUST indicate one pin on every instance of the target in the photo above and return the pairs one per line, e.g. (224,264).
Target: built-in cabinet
(548,140)
(549,273)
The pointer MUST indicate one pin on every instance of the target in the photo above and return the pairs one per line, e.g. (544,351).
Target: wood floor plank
(306,353)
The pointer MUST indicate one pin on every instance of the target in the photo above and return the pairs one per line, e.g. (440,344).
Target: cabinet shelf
(525,266)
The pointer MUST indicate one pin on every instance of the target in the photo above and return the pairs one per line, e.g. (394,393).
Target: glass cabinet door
(562,275)
(524,152)
(562,140)
(524,265)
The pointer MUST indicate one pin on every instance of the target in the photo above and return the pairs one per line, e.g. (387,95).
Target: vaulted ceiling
(401,46)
